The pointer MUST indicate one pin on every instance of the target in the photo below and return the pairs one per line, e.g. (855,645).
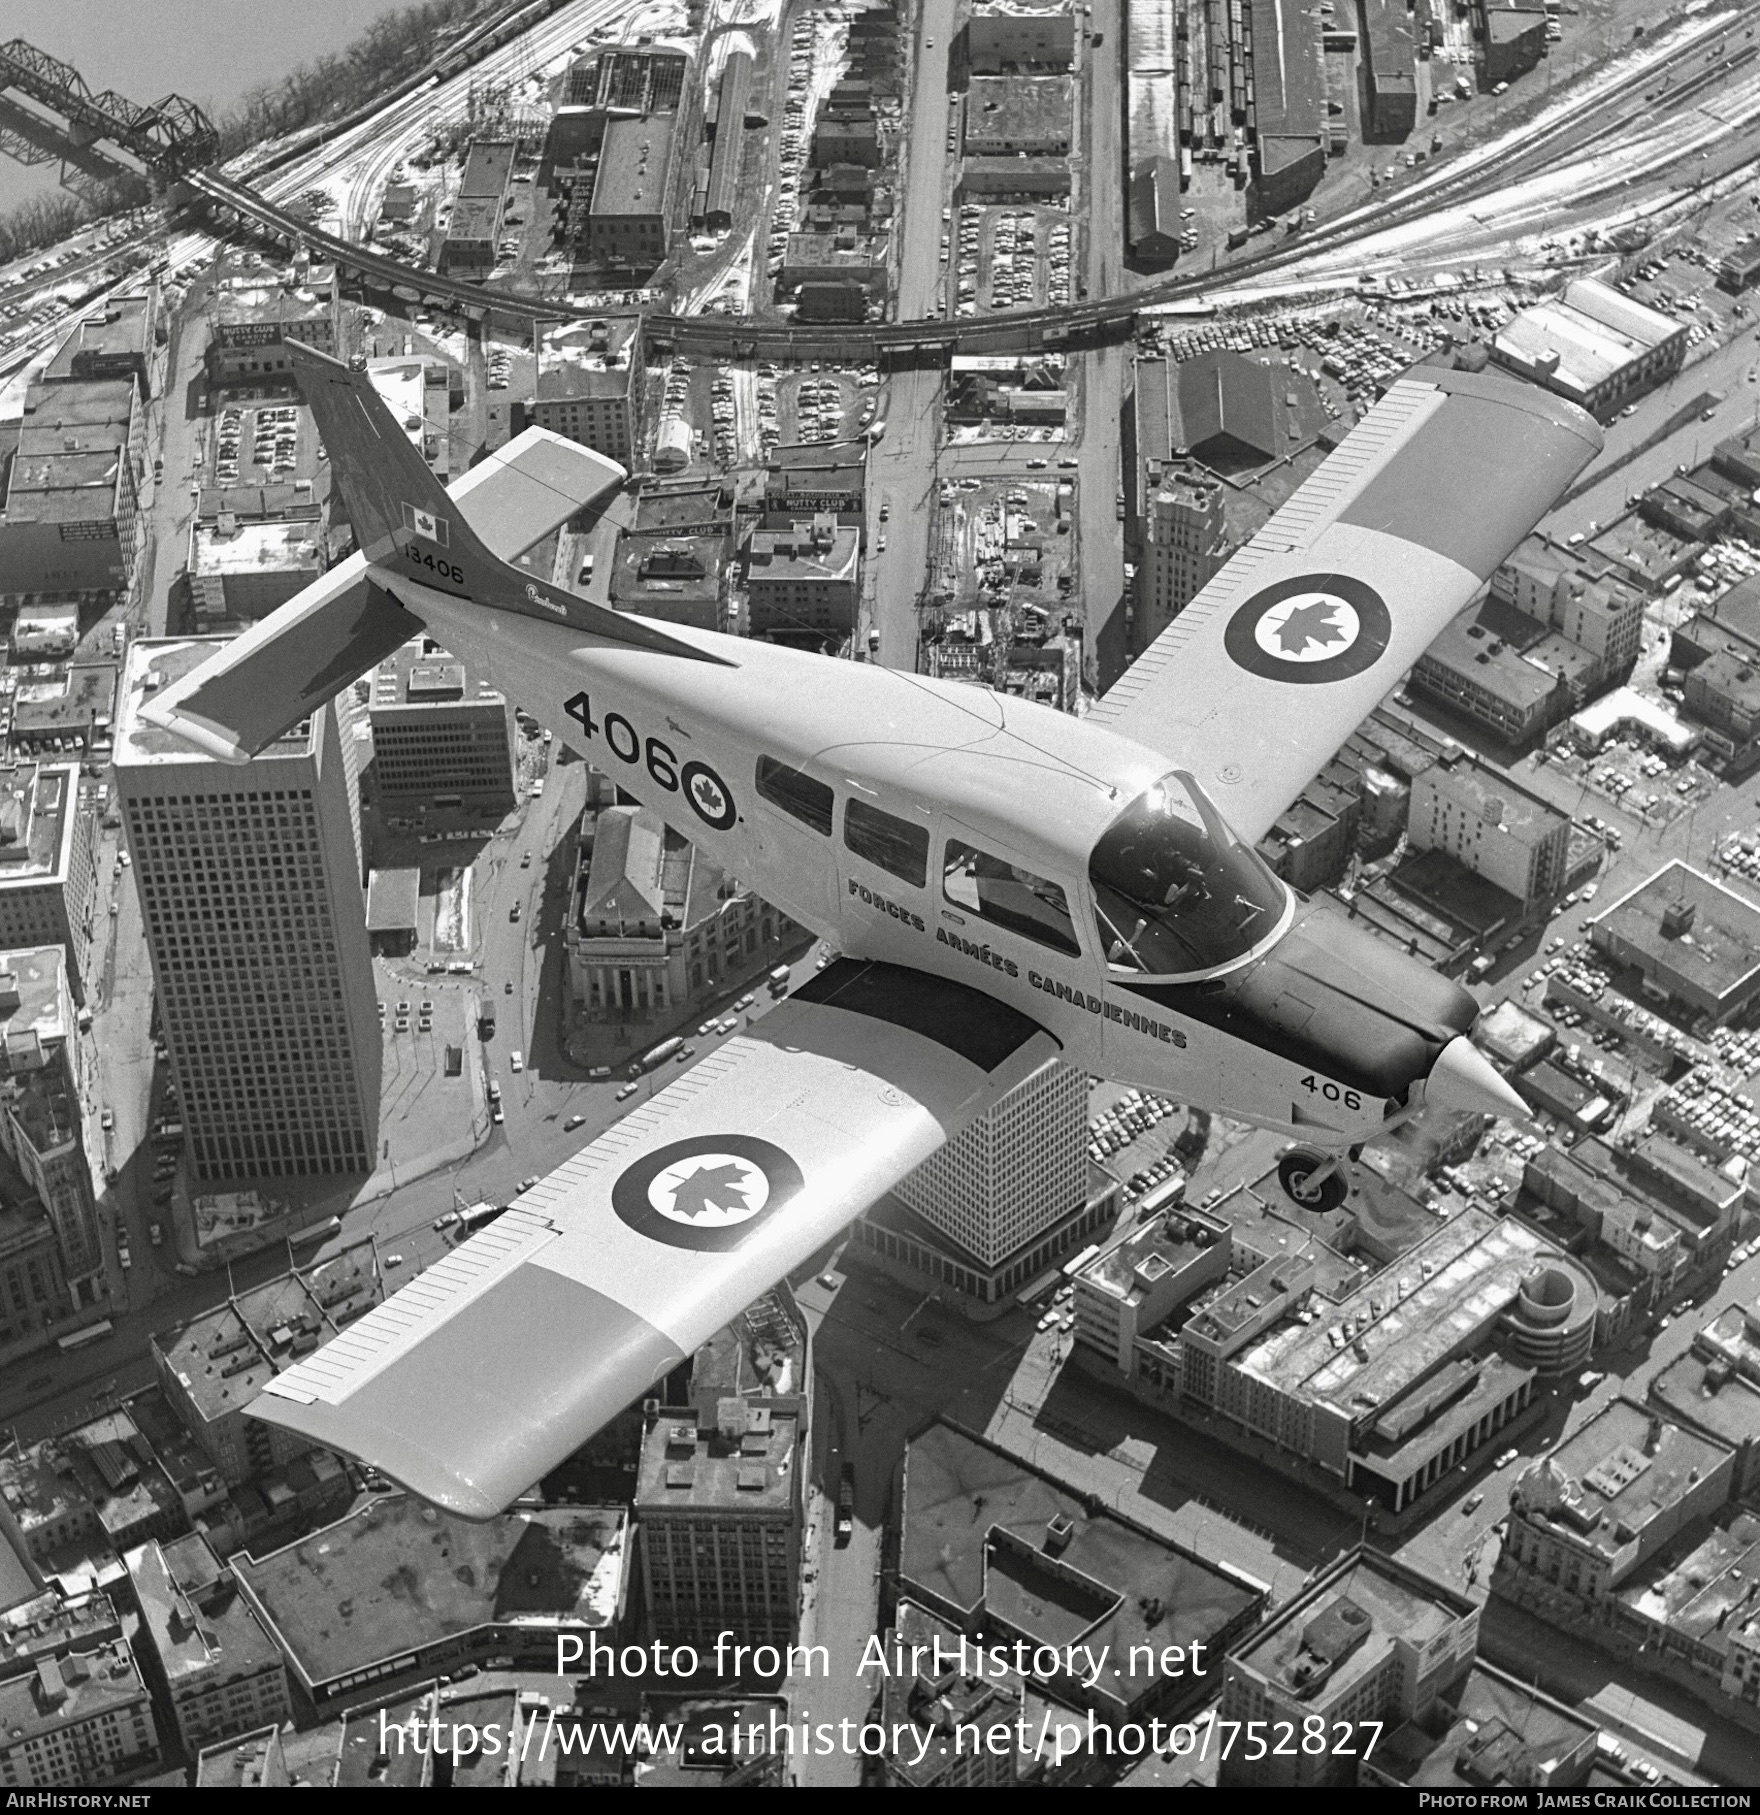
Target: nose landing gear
(1313,1180)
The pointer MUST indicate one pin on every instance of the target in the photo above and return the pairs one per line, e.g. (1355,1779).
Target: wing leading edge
(483,1373)
(1272,666)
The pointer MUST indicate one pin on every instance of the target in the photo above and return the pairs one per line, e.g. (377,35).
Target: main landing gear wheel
(1296,1175)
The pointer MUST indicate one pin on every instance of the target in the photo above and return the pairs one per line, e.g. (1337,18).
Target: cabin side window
(898,846)
(1006,895)
(799,796)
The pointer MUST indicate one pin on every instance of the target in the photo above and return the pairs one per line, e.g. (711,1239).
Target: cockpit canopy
(1176,893)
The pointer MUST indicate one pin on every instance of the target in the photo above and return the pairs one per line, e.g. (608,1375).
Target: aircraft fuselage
(928,768)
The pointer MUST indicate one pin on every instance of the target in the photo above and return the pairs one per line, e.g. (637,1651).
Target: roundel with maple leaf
(709,1192)
(1314,627)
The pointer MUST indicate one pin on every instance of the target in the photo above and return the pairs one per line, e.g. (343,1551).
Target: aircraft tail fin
(406,524)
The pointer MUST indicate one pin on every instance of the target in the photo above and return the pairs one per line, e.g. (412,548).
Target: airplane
(1004,883)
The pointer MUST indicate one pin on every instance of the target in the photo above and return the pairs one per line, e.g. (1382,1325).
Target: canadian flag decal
(425,524)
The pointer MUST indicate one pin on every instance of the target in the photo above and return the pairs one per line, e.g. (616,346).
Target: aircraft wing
(1270,668)
(286,666)
(484,1372)
(518,494)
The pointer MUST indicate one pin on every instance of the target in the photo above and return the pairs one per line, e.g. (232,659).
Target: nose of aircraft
(1463,1078)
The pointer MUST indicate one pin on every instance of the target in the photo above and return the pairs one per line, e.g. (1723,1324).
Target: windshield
(1175,891)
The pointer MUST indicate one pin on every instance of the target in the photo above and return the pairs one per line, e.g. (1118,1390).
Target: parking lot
(1638,779)
(258,444)
(1006,258)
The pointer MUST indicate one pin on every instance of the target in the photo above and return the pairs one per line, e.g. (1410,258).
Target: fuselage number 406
(710,797)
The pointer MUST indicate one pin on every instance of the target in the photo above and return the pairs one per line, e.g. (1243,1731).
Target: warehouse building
(70,515)
(1593,345)
(1389,72)
(1020,36)
(1695,944)
(626,225)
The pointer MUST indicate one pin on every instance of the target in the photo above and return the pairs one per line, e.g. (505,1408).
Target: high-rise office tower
(1014,1171)
(250,889)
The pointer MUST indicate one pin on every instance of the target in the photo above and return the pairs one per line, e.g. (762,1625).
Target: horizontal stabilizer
(515,496)
(284,668)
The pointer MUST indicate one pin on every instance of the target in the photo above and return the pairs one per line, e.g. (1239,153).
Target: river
(212,51)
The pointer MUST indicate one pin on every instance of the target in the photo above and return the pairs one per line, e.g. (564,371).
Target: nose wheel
(1312,1180)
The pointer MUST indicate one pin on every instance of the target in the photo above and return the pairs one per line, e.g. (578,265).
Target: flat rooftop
(421,673)
(38,804)
(1405,1319)
(487,166)
(1341,1631)
(635,166)
(397,1575)
(1621,1471)
(153,664)
(1698,1595)
(1716,950)
(258,548)
(1020,107)
(689,1461)
(1497,801)
(1132,1267)
(1502,1734)
(82,1686)
(1582,338)
(393,897)
(780,556)
(225,1357)
(119,330)
(71,452)
(968,1507)
(193,1613)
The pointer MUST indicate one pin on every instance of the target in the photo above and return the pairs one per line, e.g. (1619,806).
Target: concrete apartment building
(250,881)
(1371,1640)
(1491,826)
(48,878)
(718,1507)
(40,1120)
(439,736)
(70,512)
(222,1673)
